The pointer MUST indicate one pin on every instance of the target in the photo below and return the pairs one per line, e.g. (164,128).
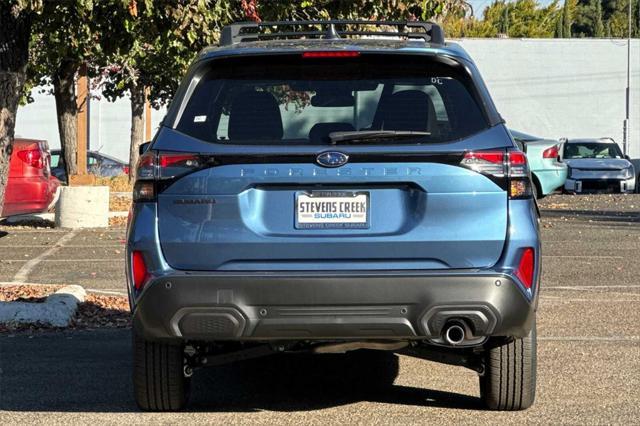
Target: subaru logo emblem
(332,159)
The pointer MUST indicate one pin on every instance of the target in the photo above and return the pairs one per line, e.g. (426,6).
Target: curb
(57,310)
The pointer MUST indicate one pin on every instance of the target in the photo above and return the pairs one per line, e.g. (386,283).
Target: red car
(31,188)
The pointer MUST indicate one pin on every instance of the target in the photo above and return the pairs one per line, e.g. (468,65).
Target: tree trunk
(137,127)
(64,90)
(15,31)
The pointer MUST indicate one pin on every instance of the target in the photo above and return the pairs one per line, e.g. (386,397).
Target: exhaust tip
(454,334)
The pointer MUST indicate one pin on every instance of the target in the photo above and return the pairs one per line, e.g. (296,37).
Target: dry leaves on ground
(97,311)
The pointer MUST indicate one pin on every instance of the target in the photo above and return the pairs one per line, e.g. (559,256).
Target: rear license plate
(332,209)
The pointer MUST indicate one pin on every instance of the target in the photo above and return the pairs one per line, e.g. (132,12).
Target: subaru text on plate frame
(397,135)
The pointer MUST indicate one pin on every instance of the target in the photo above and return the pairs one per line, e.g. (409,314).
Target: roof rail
(331,29)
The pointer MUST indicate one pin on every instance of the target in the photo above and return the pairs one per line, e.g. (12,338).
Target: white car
(597,165)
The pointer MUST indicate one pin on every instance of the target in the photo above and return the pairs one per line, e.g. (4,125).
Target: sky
(479,5)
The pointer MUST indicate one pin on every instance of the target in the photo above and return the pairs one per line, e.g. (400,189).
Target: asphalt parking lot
(588,354)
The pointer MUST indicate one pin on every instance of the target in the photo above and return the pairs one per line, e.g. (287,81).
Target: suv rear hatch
(307,163)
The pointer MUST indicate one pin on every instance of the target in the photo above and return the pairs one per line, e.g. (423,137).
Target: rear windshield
(294,100)
(576,150)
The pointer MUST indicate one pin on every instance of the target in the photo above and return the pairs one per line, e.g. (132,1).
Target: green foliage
(600,18)
(151,43)
(271,10)
(63,32)
(523,18)
(568,12)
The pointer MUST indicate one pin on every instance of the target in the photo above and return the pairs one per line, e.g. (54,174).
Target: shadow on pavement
(90,372)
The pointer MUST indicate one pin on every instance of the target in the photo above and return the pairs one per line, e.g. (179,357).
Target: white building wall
(547,87)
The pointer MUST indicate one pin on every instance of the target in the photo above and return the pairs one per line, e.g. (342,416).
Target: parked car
(327,194)
(597,165)
(98,164)
(547,170)
(30,187)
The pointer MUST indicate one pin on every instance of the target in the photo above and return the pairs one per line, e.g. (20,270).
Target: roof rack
(330,29)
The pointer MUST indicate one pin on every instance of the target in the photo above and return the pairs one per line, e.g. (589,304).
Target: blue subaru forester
(328,187)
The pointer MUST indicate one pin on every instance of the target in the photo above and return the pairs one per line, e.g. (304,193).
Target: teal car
(547,170)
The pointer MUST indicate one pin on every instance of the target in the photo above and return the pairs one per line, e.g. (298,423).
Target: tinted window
(55,161)
(303,101)
(591,150)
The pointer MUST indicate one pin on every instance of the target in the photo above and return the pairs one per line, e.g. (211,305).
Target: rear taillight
(32,157)
(550,152)
(511,165)
(155,167)
(139,270)
(125,170)
(526,267)
(486,162)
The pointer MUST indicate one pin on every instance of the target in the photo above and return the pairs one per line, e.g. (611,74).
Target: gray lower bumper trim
(349,306)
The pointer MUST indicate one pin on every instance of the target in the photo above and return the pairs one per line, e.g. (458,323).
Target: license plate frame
(360,221)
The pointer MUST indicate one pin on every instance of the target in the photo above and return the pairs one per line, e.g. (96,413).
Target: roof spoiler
(240,32)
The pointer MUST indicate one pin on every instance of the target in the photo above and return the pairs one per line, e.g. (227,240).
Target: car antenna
(331,34)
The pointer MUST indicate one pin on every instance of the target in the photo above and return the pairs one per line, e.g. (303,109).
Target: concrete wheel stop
(57,310)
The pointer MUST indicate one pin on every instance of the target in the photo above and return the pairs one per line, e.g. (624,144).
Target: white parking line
(26,269)
(89,290)
(590,338)
(92,246)
(578,256)
(588,287)
(65,260)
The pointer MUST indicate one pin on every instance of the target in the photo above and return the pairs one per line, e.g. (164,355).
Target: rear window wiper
(373,135)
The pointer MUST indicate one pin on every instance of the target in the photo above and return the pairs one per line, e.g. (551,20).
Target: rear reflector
(526,267)
(140,273)
(331,54)
(550,152)
(144,190)
(32,157)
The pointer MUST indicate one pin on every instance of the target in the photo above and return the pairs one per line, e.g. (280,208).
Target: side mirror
(143,147)
(627,157)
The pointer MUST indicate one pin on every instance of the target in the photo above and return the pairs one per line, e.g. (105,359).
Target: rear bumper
(33,194)
(403,305)
(600,185)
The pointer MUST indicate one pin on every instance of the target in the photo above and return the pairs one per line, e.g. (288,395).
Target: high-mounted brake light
(511,165)
(526,267)
(139,270)
(551,152)
(33,157)
(331,54)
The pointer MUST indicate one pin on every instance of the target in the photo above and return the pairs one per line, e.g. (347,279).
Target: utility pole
(625,127)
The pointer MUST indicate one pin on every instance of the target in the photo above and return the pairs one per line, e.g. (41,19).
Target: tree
(559,26)
(598,26)
(271,10)
(64,38)
(524,18)
(597,18)
(16,20)
(567,17)
(156,41)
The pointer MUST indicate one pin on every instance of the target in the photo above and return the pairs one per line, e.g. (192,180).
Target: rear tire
(158,375)
(509,380)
